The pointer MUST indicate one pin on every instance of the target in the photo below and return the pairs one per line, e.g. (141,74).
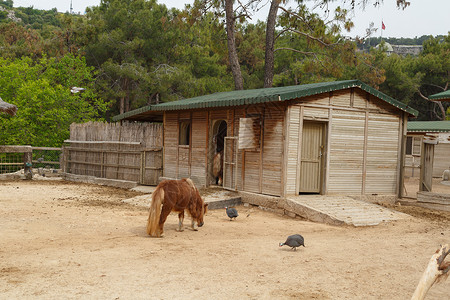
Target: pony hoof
(180,229)
(195,229)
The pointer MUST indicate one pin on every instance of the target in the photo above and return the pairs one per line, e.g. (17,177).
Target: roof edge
(132,113)
(332,86)
(445,95)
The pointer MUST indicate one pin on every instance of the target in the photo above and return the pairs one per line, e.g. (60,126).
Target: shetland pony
(218,167)
(178,196)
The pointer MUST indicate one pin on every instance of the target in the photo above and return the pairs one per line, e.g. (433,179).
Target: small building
(417,130)
(326,138)
(402,50)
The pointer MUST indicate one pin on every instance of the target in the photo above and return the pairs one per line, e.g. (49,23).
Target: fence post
(27,161)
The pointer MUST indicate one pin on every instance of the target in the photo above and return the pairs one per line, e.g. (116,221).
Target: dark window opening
(185,133)
(409,141)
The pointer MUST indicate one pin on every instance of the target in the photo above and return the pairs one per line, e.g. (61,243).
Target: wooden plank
(46,148)
(261,152)
(243,154)
(190,146)
(285,150)
(177,143)
(292,135)
(299,150)
(352,97)
(364,168)
(327,158)
(401,154)
(14,149)
(426,166)
(207,148)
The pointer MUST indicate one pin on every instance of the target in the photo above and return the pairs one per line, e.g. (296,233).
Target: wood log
(7,108)
(436,270)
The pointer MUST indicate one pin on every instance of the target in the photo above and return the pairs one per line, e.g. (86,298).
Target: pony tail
(155,213)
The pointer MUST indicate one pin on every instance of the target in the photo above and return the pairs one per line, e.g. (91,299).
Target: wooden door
(426,166)
(230,162)
(312,151)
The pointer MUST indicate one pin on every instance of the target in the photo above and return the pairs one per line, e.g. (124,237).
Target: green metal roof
(428,126)
(441,96)
(244,97)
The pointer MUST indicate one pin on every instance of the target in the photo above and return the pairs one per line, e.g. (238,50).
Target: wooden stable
(328,138)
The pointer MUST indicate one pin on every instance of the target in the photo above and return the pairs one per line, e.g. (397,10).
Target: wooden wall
(441,159)
(125,151)
(362,142)
(272,145)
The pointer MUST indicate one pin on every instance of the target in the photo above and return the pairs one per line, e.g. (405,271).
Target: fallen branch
(436,271)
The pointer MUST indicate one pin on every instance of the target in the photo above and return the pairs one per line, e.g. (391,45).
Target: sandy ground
(61,240)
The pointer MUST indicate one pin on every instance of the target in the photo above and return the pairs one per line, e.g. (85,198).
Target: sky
(422,17)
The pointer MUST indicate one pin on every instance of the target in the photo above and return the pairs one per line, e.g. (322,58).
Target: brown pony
(175,195)
(218,167)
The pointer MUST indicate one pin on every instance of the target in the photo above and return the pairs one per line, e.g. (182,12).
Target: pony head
(200,207)
(204,210)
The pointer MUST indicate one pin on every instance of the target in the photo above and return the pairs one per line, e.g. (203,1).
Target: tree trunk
(127,99)
(122,105)
(437,269)
(232,52)
(270,43)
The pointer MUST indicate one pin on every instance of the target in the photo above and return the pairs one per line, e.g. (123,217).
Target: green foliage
(251,43)
(37,18)
(373,41)
(7,3)
(411,79)
(46,106)
(309,50)
(141,50)
(17,41)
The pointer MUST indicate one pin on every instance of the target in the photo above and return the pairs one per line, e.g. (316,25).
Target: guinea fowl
(294,241)
(231,212)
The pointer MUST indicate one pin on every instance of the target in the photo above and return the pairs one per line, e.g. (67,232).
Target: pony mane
(196,205)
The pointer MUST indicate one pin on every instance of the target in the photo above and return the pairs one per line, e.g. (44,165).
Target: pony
(178,196)
(218,167)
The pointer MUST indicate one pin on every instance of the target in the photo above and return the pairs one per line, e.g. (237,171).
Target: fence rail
(126,151)
(15,158)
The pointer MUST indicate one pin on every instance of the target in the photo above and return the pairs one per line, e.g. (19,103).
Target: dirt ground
(412,187)
(62,240)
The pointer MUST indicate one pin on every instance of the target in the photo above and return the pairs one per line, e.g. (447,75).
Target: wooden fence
(127,151)
(15,158)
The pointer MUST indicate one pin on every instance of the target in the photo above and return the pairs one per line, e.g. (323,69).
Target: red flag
(382,26)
